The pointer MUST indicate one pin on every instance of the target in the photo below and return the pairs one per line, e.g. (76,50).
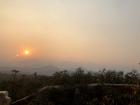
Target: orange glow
(24,52)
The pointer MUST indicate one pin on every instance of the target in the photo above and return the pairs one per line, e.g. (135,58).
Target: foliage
(74,90)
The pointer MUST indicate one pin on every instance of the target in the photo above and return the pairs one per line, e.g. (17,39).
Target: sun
(26,52)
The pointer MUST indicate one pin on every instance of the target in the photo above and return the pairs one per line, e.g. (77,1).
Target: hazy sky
(99,32)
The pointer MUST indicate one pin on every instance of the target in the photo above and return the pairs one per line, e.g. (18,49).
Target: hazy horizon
(98,33)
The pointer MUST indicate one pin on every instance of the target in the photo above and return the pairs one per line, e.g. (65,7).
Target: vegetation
(74,87)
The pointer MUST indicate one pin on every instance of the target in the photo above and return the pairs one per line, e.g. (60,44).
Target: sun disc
(26,52)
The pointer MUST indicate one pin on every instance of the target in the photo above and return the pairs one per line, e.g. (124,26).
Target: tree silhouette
(15,73)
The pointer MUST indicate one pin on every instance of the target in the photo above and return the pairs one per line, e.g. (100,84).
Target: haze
(95,32)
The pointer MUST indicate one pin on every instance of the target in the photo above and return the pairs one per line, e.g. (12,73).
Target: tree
(15,73)
(132,77)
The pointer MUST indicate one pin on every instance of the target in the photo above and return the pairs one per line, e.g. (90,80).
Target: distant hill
(45,70)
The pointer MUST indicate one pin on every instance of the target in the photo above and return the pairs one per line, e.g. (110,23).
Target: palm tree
(14,71)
